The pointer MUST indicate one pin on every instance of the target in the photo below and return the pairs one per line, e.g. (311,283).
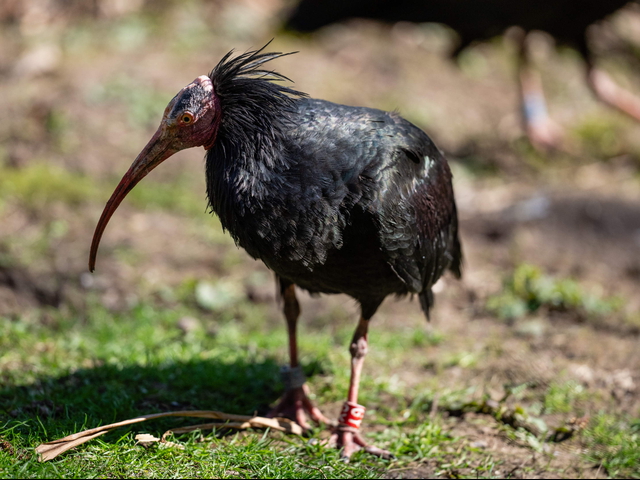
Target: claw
(296,405)
(351,441)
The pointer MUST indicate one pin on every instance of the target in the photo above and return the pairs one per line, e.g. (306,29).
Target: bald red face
(190,120)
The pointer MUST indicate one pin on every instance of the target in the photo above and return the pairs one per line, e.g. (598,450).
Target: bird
(332,198)
(477,20)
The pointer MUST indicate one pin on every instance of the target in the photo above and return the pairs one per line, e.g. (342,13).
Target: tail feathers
(456,251)
(456,264)
(426,301)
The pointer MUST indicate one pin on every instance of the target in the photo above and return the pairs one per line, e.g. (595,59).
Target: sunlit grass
(528,289)
(39,184)
(602,135)
(614,445)
(63,370)
(76,373)
(564,397)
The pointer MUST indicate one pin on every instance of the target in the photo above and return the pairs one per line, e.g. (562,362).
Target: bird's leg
(346,434)
(610,93)
(295,403)
(544,134)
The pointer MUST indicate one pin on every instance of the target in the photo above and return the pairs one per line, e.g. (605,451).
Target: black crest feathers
(231,74)
(251,98)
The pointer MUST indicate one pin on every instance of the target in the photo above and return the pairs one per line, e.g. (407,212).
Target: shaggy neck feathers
(256,115)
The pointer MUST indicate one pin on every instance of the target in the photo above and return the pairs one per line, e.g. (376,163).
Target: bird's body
(340,201)
(473,20)
(332,198)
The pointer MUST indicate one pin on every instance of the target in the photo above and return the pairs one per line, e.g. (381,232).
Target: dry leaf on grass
(50,450)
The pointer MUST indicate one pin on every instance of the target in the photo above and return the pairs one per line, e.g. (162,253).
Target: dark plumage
(334,199)
(473,20)
(476,20)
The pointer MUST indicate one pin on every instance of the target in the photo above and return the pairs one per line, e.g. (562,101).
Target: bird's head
(193,118)
(190,120)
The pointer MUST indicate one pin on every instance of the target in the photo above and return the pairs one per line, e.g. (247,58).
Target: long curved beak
(154,153)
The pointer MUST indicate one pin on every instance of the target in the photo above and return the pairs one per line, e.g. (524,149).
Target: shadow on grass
(53,407)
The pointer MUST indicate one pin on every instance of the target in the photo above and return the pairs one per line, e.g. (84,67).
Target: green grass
(614,445)
(528,290)
(73,372)
(40,184)
(62,372)
(250,456)
(77,373)
(564,397)
(601,135)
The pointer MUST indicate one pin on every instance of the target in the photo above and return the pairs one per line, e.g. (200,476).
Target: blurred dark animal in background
(334,199)
(476,20)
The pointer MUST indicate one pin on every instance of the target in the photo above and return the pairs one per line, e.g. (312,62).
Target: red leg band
(351,415)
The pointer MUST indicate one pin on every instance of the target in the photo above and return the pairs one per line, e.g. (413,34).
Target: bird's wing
(360,158)
(334,151)
(416,210)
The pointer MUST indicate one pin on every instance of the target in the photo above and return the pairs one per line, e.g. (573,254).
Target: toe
(349,446)
(351,441)
(379,452)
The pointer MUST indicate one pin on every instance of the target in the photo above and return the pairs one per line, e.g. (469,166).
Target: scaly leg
(610,93)
(544,134)
(295,403)
(346,434)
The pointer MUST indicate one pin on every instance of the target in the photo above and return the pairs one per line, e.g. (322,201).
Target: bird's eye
(186,118)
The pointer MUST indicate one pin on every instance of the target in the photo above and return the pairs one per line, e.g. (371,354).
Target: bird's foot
(347,436)
(295,403)
(350,440)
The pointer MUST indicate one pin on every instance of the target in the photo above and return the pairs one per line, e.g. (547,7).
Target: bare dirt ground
(80,94)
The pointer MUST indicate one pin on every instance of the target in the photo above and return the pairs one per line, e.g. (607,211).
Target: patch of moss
(41,183)
(527,290)
(600,135)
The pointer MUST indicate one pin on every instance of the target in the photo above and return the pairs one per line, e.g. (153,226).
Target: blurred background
(551,239)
